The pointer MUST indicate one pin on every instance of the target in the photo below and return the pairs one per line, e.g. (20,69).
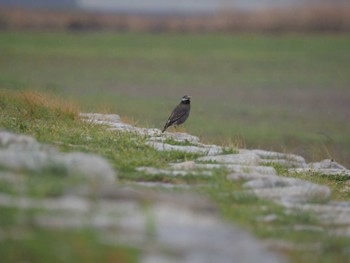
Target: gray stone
(327,214)
(16,160)
(115,123)
(294,194)
(112,118)
(87,165)
(149,131)
(282,162)
(163,185)
(277,181)
(173,172)
(11,141)
(120,126)
(90,166)
(327,164)
(181,137)
(67,203)
(268,157)
(276,155)
(188,149)
(243,159)
(327,167)
(183,165)
(239,168)
(325,171)
(288,189)
(249,176)
(24,153)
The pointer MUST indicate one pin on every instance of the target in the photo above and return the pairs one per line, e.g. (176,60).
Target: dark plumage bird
(180,113)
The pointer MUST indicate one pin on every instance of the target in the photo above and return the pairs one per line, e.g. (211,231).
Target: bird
(180,114)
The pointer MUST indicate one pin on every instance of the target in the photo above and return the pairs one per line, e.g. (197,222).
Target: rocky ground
(166,226)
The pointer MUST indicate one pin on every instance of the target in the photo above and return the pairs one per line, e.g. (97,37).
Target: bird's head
(186,99)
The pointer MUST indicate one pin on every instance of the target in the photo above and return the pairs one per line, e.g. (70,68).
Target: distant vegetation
(309,18)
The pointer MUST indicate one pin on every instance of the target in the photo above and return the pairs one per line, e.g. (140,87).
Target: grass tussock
(32,105)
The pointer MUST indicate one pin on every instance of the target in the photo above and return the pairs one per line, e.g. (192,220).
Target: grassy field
(287,92)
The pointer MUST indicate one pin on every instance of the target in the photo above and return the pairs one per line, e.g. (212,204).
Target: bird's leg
(182,129)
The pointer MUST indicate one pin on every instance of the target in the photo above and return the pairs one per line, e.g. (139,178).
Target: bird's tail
(165,126)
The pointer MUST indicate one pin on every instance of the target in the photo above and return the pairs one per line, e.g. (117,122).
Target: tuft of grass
(280,168)
(32,105)
(229,150)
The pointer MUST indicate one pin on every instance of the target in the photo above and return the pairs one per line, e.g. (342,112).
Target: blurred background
(262,73)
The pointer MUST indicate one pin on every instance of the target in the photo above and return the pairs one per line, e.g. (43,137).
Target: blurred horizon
(224,16)
(166,6)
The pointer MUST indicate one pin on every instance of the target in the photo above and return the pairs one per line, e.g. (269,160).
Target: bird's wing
(177,114)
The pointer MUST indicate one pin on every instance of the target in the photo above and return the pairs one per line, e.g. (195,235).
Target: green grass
(37,245)
(53,121)
(286,92)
